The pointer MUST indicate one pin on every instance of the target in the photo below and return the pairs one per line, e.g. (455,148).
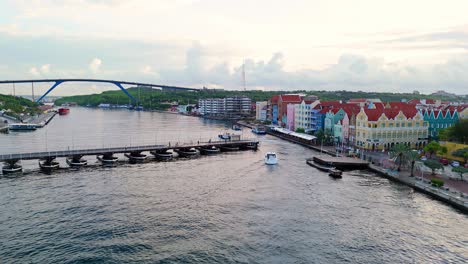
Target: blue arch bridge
(57,82)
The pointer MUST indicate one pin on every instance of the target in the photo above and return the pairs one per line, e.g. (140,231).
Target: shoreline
(460,203)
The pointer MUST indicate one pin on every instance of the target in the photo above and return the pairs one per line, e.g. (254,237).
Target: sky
(366,45)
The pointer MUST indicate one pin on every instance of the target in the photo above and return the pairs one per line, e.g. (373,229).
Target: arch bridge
(57,82)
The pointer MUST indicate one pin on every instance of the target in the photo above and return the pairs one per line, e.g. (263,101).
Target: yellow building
(383,128)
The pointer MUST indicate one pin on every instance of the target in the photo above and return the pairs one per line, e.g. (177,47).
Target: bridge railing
(113,149)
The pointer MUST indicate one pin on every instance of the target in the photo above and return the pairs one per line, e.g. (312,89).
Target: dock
(344,163)
(3,128)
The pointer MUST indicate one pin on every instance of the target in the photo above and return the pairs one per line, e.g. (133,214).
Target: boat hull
(108,161)
(210,151)
(139,158)
(184,153)
(76,163)
(11,170)
(162,155)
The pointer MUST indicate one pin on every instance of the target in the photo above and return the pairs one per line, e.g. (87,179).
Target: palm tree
(398,152)
(411,157)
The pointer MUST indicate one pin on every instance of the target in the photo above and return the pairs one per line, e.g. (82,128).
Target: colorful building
(378,129)
(303,114)
(439,119)
(261,110)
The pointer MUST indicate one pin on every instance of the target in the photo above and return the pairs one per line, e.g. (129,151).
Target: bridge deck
(126,149)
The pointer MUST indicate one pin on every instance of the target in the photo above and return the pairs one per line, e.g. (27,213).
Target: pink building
(290,117)
(345,128)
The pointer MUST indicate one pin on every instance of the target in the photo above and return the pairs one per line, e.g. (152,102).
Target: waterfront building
(439,119)
(378,129)
(283,101)
(212,106)
(238,106)
(261,110)
(272,109)
(290,117)
(228,107)
(303,114)
(463,111)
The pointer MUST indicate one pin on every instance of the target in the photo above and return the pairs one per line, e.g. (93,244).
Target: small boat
(22,127)
(10,169)
(259,130)
(187,152)
(236,127)
(225,136)
(135,156)
(48,166)
(63,111)
(107,159)
(76,162)
(229,148)
(335,173)
(271,158)
(210,150)
(162,155)
(250,146)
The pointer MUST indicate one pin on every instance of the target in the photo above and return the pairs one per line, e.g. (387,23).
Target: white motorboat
(271,158)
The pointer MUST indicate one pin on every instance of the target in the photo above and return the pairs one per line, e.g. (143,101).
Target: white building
(302,114)
(212,106)
(261,109)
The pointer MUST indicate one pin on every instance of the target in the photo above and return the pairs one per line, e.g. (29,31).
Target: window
(390,125)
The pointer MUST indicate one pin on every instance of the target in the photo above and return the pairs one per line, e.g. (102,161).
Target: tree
(460,170)
(462,153)
(432,148)
(433,165)
(457,132)
(300,130)
(412,156)
(443,151)
(398,152)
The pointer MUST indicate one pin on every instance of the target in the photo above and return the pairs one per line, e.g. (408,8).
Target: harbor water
(226,208)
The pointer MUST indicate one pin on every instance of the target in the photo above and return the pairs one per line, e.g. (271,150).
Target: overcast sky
(369,45)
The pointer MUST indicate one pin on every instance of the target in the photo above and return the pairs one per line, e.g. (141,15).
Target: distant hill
(157,99)
(17,105)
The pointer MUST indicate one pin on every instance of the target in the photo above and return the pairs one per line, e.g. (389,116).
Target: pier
(133,152)
(341,162)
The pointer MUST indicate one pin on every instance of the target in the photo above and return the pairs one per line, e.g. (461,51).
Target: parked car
(445,162)
(423,158)
(455,163)
(466,165)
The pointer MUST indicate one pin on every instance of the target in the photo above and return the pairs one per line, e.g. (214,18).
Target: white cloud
(34,71)
(95,65)
(45,69)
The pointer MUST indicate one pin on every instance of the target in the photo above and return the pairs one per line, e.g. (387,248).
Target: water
(229,208)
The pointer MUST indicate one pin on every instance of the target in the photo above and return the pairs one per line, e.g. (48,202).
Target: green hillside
(15,106)
(156,99)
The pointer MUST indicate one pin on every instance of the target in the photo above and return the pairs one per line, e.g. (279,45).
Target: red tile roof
(357,100)
(274,99)
(291,98)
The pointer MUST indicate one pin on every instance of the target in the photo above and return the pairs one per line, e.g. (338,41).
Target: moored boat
(63,111)
(236,127)
(22,127)
(210,150)
(48,166)
(229,148)
(107,159)
(335,173)
(271,158)
(225,136)
(259,130)
(191,152)
(162,155)
(76,162)
(135,156)
(10,169)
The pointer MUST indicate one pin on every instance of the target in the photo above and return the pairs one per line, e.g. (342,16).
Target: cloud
(95,65)
(45,68)
(34,71)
